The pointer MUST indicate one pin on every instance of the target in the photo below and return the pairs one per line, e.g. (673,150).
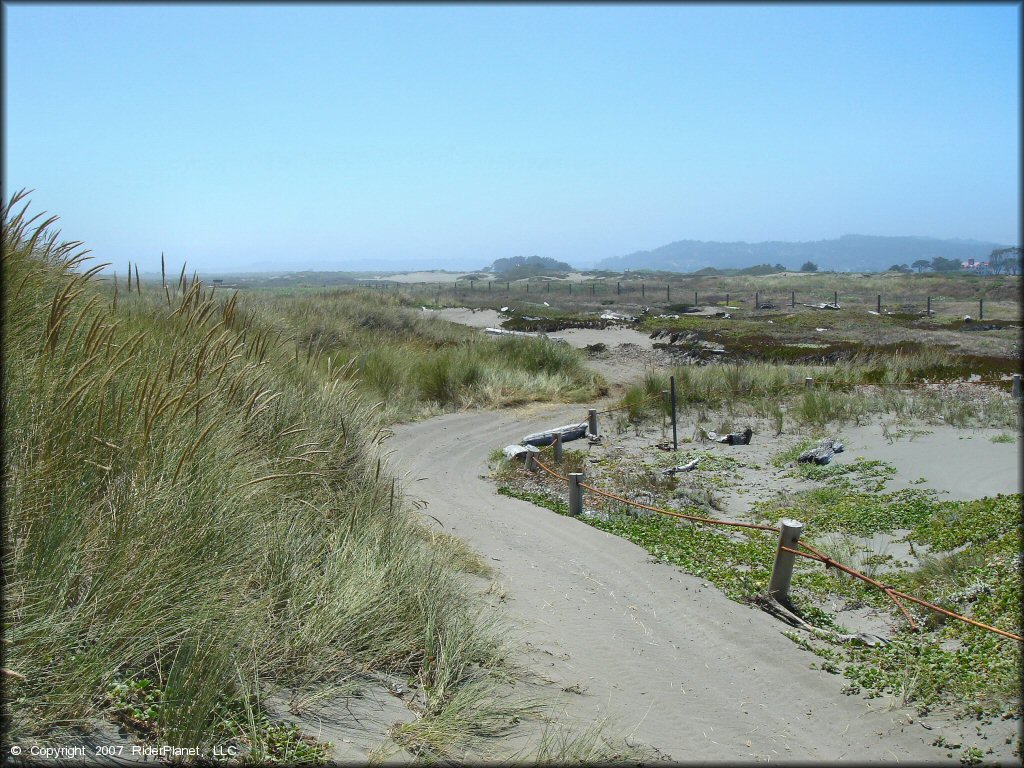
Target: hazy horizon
(253,138)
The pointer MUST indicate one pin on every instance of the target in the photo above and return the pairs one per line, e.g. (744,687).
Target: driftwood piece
(682,468)
(568,432)
(518,451)
(734,438)
(822,453)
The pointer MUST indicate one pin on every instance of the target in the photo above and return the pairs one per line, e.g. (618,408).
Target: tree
(921,265)
(1009,261)
(940,264)
(809,266)
(899,268)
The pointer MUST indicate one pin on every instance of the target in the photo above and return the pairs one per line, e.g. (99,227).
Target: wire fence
(804,550)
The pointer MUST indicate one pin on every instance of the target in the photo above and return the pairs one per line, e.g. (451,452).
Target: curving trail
(687,671)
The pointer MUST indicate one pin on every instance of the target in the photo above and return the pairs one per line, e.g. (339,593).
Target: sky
(338,136)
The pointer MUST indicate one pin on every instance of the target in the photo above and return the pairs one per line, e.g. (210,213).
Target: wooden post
(782,570)
(547,287)
(556,445)
(488,286)
(672,384)
(792,299)
(593,288)
(592,421)
(668,292)
(506,286)
(809,383)
(878,305)
(981,306)
(570,289)
(727,298)
(643,289)
(575,494)
(1016,386)
(835,297)
(929,312)
(618,288)
(531,465)
(695,298)
(527,286)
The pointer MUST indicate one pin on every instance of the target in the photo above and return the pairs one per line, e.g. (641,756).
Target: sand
(676,663)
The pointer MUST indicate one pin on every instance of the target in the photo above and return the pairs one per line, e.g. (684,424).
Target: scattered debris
(822,453)
(824,305)
(609,315)
(821,329)
(504,332)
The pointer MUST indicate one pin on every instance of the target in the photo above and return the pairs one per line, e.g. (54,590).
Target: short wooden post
(1016,386)
(695,298)
(556,445)
(809,383)
(507,284)
(531,465)
(782,570)
(878,304)
(593,288)
(592,421)
(618,288)
(727,298)
(668,292)
(547,287)
(792,299)
(672,385)
(643,290)
(527,286)
(981,309)
(575,494)
(570,289)
(488,286)
(929,312)
(835,297)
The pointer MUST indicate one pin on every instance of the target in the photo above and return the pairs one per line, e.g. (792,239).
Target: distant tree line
(1002,261)
(516,267)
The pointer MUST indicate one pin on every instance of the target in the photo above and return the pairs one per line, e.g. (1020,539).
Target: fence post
(643,290)
(792,299)
(570,289)
(556,445)
(488,286)
(727,298)
(835,297)
(593,288)
(1016,385)
(668,292)
(929,312)
(531,465)
(618,288)
(672,384)
(809,383)
(695,298)
(981,309)
(575,494)
(878,305)
(782,569)
(592,421)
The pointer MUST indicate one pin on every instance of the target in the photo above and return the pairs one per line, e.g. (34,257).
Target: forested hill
(855,253)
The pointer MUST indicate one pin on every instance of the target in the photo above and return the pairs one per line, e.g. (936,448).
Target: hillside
(853,253)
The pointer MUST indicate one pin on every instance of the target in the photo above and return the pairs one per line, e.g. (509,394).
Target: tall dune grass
(417,363)
(190,500)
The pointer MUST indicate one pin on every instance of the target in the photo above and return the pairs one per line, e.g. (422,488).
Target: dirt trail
(688,671)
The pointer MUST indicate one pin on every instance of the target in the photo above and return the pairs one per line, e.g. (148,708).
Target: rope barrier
(811,554)
(894,593)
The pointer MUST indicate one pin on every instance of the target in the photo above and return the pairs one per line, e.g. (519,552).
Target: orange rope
(811,554)
(893,593)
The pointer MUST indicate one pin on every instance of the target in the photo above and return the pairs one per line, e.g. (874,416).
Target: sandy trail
(688,671)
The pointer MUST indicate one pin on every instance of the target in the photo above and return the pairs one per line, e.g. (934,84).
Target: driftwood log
(568,432)
(822,453)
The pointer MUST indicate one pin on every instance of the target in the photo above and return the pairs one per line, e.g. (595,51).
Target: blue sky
(389,136)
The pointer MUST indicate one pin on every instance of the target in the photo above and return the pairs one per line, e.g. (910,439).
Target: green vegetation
(415,363)
(969,564)
(196,512)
